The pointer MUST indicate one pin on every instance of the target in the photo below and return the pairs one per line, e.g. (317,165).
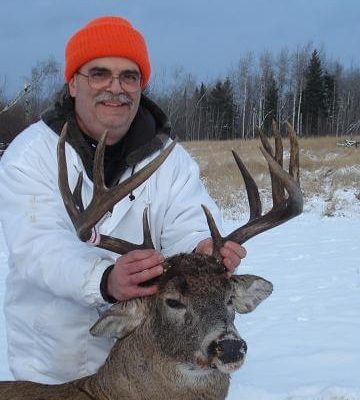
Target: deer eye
(172,303)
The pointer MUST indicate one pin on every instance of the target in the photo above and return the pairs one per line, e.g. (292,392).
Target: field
(330,174)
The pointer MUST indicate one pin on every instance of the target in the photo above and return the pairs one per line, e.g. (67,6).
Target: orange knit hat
(107,37)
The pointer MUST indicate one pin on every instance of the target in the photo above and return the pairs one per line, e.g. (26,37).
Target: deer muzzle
(227,353)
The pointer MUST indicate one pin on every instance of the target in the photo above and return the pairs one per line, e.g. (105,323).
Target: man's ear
(121,319)
(250,291)
(72,86)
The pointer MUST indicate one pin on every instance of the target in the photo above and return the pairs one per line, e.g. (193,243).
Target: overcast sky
(206,37)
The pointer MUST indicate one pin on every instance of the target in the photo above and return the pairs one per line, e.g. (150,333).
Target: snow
(304,341)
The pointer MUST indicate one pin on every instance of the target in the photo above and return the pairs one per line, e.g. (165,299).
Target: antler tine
(294,155)
(215,234)
(122,246)
(254,205)
(66,194)
(278,143)
(251,189)
(103,200)
(77,193)
(98,170)
(277,187)
(147,243)
(283,208)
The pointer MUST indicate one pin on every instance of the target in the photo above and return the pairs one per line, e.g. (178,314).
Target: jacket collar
(148,133)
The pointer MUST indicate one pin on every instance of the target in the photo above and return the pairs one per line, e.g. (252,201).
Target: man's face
(109,108)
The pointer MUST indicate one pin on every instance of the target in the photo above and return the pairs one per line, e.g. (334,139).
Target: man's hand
(130,270)
(232,253)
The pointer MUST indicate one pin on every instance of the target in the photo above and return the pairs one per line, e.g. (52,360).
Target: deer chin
(227,368)
(206,364)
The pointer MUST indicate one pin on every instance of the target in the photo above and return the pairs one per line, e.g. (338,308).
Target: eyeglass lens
(101,78)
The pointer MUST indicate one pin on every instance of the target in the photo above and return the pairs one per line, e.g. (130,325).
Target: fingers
(138,255)
(232,254)
(146,275)
(236,248)
(134,263)
(133,269)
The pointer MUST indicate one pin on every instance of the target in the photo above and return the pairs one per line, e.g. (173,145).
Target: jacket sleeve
(184,220)
(42,243)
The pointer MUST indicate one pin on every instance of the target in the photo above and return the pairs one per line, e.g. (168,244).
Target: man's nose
(115,86)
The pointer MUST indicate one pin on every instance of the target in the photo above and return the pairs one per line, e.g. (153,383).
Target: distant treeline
(318,96)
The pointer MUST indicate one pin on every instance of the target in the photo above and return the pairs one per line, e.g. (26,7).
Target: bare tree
(300,61)
(27,105)
(242,82)
(282,77)
(174,93)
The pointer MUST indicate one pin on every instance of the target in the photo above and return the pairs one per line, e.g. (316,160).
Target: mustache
(120,98)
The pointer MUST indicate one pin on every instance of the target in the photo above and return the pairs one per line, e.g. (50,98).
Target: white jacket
(53,295)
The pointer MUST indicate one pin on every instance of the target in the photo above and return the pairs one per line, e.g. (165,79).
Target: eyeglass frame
(111,80)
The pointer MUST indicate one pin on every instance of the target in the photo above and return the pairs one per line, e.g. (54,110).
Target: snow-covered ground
(304,341)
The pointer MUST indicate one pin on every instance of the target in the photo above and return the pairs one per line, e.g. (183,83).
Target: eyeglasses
(98,79)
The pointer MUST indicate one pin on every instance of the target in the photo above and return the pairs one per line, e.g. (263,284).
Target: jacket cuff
(91,294)
(103,285)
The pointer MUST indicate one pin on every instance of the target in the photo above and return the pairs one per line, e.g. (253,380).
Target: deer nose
(228,350)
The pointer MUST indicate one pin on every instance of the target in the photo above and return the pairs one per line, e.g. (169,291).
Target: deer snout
(230,350)
(227,354)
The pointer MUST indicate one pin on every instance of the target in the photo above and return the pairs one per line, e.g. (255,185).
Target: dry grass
(326,170)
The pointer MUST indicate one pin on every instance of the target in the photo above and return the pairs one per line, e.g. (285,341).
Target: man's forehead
(112,63)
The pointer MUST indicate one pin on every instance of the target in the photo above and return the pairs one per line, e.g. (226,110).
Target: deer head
(191,318)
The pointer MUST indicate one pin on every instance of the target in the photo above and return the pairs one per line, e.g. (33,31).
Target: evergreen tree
(314,101)
(222,109)
(271,103)
(201,93)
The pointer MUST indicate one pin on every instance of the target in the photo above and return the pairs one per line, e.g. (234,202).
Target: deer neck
(136,369)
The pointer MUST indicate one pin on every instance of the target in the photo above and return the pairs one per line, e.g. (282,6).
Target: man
(57,285)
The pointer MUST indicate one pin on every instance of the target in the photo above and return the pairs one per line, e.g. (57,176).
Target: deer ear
(250,291)
(121,319)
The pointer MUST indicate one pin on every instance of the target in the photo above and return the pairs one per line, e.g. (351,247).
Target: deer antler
(103,200)
(284,208)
